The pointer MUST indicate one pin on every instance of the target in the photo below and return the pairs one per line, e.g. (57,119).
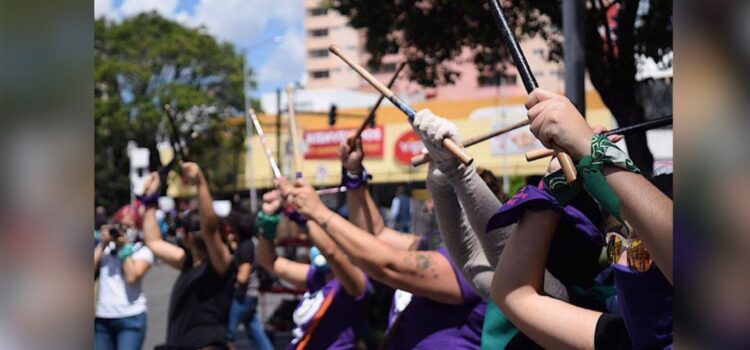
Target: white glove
(432,129)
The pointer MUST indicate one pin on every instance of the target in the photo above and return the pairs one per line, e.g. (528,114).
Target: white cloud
(164,7)
(287,64)
(105,8)
(242,21)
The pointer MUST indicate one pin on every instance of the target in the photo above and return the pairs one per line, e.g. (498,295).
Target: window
(496,80)
(319,11)
(316,33)
(320,74)
(318,53)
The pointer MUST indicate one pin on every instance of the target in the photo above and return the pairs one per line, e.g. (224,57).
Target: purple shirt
(646,302)
(422,323)
(340,326)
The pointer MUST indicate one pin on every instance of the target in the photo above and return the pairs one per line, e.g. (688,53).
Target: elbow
(500,292)
(132,279)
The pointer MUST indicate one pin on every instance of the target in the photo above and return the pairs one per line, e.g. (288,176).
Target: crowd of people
(559,265)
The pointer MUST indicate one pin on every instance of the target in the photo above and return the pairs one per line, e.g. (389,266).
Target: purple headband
(532,198)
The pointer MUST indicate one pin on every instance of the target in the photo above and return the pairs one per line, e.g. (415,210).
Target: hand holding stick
(451,146)
(425,157)
(647,125)
(353,140)
(527,77)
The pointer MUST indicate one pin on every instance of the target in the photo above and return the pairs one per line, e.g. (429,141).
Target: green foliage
(516,183)
(147,61)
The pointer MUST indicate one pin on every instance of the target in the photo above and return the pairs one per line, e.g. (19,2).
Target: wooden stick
(294,132)
(527,77)
(425,157)
(539,154)
(451,146)
(264,142)
(331,190)
(353,140)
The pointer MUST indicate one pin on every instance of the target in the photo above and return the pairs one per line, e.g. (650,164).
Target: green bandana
(267,224)
(125,251)
(603,152)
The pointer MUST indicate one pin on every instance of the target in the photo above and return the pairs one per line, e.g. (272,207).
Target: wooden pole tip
(335,49)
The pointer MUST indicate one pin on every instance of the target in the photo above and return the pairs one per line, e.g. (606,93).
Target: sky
(250,25)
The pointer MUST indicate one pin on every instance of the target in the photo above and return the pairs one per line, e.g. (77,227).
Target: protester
(454,187)
(644,291)
(332,311)
(434,305)
(400,213)
(121,260)
(245,301)
(202,294)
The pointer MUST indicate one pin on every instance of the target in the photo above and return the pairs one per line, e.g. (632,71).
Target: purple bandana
(532,198)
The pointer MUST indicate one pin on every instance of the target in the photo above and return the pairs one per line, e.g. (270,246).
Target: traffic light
(332,116)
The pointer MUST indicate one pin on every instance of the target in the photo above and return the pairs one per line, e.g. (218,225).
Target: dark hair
(495,184)
(664,183)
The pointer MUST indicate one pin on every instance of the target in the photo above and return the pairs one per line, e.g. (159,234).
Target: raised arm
(218,252)
(290,271)
(363,212)
(351,277)
(455,187)
(428,274)
(103,242)
(555,120)
(517,289)
(134,269)
(171,254)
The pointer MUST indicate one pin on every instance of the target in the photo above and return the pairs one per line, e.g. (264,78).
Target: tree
(147,61)
(432,33)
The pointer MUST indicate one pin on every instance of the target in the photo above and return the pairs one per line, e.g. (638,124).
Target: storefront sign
(407,146)
(324,144)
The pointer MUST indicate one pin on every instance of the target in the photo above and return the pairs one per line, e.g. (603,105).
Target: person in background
(245,299)
(202,294)
(122,261)
(400,214)
(332,311)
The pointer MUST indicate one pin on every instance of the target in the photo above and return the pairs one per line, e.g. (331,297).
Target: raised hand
(555,120)
(272,202)
(351,158)
(191,173)
(432,129)
(305,200)
(152,184)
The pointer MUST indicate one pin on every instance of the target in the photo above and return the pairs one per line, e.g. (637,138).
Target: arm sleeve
(460,240)
(473,193)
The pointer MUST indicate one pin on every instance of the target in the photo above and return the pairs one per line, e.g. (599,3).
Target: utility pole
(573,54)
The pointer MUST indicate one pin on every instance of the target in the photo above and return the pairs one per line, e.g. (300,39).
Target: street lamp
(248,124)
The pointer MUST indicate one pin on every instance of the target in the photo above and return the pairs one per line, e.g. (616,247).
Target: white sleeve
(143,253)
(394,208)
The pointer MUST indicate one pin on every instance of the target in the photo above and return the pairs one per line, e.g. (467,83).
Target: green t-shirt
(497,331)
